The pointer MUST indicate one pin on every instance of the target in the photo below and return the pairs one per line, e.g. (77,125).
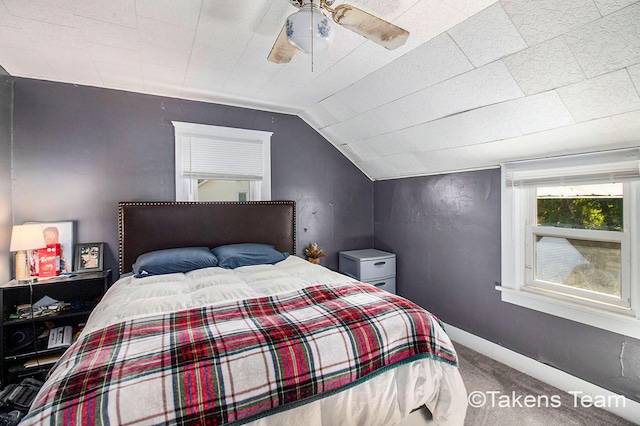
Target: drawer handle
(379,263)
(379,284)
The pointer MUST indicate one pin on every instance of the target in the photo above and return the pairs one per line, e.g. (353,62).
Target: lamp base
(23,271)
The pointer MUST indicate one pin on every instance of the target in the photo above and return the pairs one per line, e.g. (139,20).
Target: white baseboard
(561,380)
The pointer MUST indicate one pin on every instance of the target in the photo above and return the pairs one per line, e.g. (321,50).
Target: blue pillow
(235,255)
(170,261)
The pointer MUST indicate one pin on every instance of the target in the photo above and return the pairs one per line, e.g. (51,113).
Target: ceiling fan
(309,29)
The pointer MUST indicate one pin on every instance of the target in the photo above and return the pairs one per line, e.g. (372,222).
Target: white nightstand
(370,266)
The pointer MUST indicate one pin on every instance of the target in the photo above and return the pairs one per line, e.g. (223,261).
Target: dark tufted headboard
(148,226)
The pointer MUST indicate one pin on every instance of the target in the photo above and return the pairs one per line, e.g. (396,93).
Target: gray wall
(445,231)
(78,151)
(6,258)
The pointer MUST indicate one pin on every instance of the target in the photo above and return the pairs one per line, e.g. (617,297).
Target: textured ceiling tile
(367,150)
(257,81)
(354,128)
(609,6)
(244,87)
(634,72)
(405,164)
(307,95)
(483,86)
(44,33)
(542,20)
(165,35)
(119,75)
(546,66)
(120,12)
(454,159)
(339,74)
(210,58)
(433,62)
(423,163)
(609,94)
(392,143)
(151,54)
(252,59)
(335,136)
(477,126)
(384,119)
(537,113)
(40,11)
(388,10)
(317,116)
(222,35)
(487,36)
(480,125)
(27,63)
(114,55)
(499,121)
(75,65)
(161,79)
(338,108)
(215,77)
(469,7)
(629,126)
(107,34)
(427,19)
(14,37)
(610,43)
(6,19)
(181,13)
(589,136)
(441,15)
(372,168)
(359,96)
(195,88)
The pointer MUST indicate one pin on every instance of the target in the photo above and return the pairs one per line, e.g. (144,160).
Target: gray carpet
(546,405)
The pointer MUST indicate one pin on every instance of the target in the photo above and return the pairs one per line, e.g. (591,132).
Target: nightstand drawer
(386,284)
(377,268)
(367,264)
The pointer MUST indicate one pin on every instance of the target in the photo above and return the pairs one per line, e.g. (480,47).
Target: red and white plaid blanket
(236,361)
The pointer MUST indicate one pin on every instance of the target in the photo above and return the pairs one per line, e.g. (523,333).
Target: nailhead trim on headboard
(124,204)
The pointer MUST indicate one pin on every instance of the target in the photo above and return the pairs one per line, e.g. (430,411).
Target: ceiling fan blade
(369,26)
(282,51)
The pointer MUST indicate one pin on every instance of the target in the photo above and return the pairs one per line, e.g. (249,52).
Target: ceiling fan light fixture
(309,29)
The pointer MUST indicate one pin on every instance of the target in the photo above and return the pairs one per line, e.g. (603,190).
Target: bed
(259,336)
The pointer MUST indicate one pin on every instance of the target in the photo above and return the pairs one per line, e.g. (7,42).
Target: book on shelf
(43,360)
(59,337)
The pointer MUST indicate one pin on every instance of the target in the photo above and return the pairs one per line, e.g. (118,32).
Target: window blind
(222,158)
(592,168)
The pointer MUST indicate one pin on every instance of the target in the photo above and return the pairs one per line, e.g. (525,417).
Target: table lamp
(23,238)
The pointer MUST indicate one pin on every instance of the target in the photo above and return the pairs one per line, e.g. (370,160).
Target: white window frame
(518,226)
(186,188)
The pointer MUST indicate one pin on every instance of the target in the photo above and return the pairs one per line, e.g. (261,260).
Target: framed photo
(89,257)
(55,233)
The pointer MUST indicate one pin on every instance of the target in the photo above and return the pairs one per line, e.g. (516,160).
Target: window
(222,164)
(570,237)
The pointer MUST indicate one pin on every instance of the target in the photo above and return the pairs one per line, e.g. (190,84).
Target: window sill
(610,321)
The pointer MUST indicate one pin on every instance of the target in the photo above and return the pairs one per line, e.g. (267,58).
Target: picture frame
(61,232)
(89,257)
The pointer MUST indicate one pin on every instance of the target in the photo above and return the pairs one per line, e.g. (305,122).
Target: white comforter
(384,400)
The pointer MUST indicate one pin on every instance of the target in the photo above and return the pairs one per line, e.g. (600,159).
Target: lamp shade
(27,237)
(309,29)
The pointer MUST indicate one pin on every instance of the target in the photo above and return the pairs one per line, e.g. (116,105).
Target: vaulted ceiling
(479,82)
